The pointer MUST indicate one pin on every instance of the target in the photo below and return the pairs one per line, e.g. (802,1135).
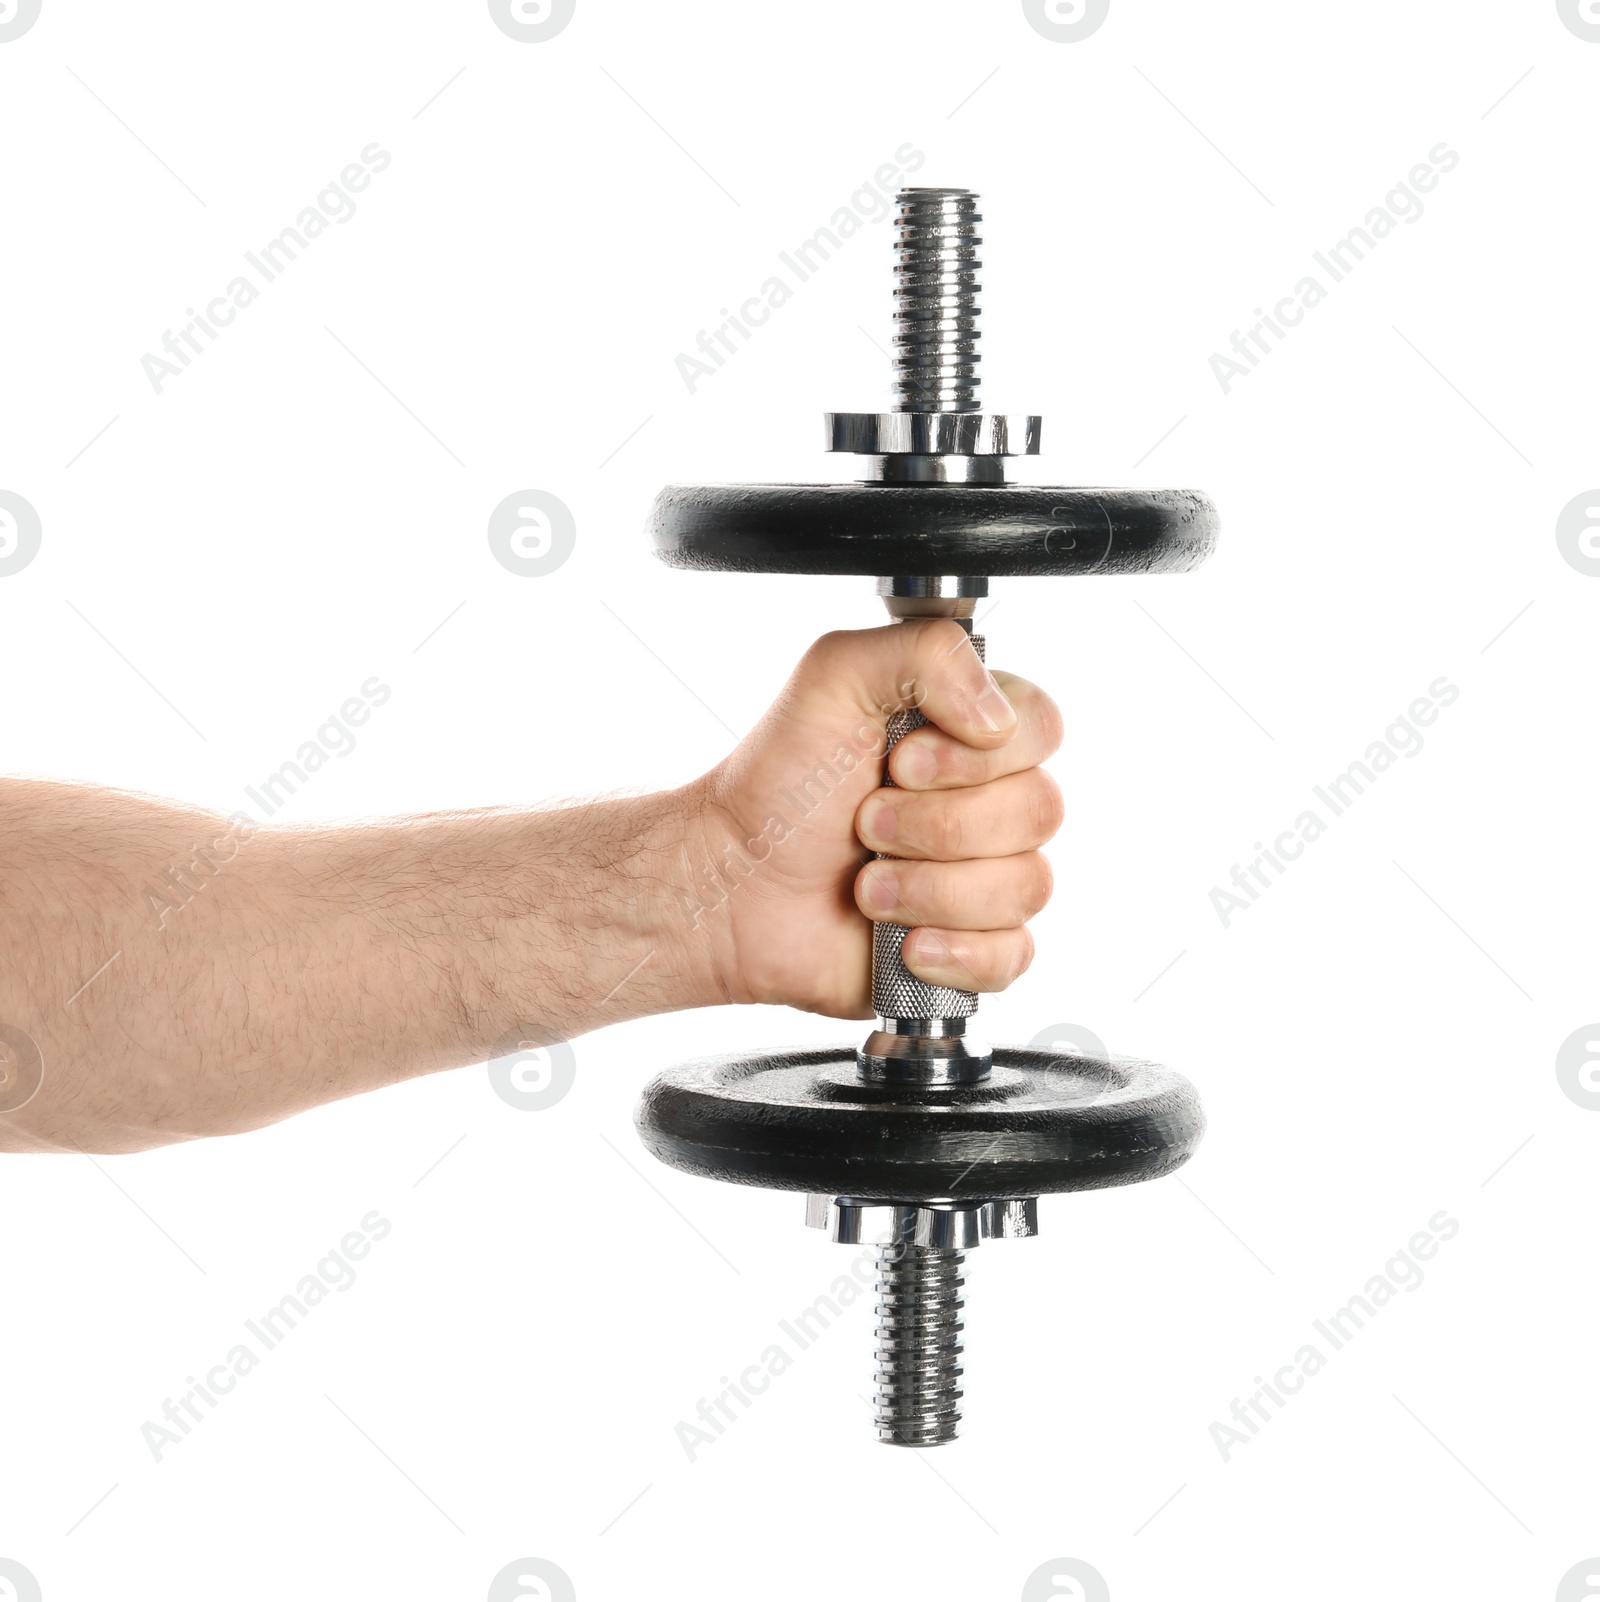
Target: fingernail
(882,824)
(882,890)
(918,766)
(995,712)
(930,949)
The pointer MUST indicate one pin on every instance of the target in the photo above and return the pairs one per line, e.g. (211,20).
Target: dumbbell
(923,1140)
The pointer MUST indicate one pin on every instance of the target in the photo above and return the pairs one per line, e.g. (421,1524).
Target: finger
(1017,813)
(928,664)
(930,759)
(995,894)
(965,959)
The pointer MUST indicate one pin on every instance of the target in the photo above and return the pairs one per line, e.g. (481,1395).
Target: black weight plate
(917,530)
(798,1120)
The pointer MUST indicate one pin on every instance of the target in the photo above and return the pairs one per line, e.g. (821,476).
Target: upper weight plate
(800,1120)
(921,530)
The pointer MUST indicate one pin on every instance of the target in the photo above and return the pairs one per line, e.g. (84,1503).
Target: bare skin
(275,968)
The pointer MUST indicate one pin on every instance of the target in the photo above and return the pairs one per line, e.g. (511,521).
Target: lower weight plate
(1043,1122)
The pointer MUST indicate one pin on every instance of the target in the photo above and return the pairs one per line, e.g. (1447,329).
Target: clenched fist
(786,829)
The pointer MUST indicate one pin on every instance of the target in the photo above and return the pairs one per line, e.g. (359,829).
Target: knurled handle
(896,991)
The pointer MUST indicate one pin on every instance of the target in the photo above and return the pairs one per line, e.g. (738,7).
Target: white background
(304,507)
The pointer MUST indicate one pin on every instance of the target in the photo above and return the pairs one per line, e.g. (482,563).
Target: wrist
(654,907)
(605,906)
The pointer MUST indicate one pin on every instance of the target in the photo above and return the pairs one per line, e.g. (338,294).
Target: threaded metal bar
(936,300)
(918,1392)
(919,1363)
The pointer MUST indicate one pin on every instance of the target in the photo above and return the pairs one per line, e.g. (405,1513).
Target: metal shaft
(918,1392)
(936,300)
(919,1366)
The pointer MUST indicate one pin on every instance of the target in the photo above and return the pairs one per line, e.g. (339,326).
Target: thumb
(929,664)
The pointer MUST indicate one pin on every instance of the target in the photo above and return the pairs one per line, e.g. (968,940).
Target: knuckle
(998,960)
(958,766)
(1009,957)
(828,646)
(920,896)
(915,901)
(1039,886)
(824,660)
(935,636)
(1046,808)
(943,830)
(1048,724)
(937,651)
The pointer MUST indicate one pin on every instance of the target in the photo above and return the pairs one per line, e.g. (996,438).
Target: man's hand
(180,974)
(789,817)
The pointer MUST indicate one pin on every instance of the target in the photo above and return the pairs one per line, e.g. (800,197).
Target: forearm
(182,977)
(178,975)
